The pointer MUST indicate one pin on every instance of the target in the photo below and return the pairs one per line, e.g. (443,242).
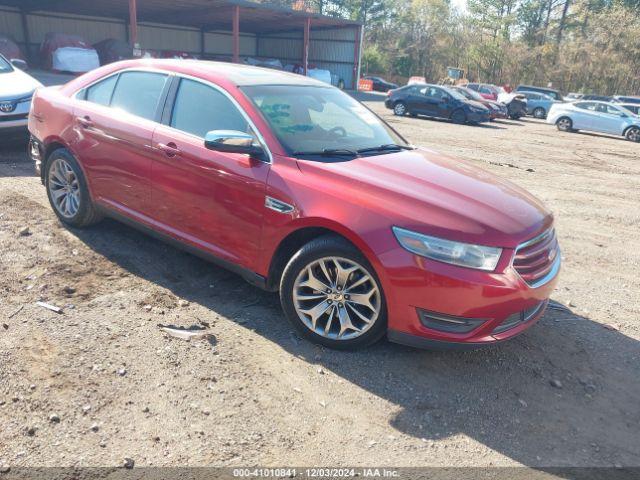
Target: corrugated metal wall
(10,23)
(90,28)
(221,43)
(330,49)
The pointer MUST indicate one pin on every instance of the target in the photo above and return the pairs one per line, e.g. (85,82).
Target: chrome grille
(538,260)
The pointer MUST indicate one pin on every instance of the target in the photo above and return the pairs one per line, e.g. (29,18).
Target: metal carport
(222,29)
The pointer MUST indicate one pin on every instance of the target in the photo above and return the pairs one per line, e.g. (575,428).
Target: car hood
(16,84)
(427,192)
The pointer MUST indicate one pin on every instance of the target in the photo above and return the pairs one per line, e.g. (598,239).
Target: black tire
(564,124)
(515,116)
(539,113)
(632,134)
(86,213)
(400,109)
(330,246)
(458,116)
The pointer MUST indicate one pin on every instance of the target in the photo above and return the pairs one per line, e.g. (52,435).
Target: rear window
(138,93)
(101,92)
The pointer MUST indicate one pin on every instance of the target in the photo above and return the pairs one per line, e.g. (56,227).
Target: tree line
(589,46)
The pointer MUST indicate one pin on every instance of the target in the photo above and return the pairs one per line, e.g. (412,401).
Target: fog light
(449,323)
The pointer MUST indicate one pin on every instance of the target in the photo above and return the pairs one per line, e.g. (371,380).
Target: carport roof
(207,14)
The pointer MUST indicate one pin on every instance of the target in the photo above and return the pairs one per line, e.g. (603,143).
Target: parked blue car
(538,104)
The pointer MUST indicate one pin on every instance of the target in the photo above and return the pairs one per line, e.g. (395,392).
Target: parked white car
(596,117)
(16,90)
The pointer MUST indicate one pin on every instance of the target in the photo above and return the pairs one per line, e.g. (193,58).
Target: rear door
(114,120)
(583,116)
(415,99)
(212,200)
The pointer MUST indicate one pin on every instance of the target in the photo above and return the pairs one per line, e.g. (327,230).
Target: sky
(460,4)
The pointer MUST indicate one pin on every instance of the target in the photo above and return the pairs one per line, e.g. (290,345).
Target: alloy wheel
(337,298)
(64,188)
(539,113)
(564,124)
(633,134)
(400,109)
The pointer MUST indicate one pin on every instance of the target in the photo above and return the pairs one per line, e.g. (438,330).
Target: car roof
(239,75)
(534,89)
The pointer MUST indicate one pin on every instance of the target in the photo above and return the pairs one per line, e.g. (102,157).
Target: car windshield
(310,119)
(5,65)
(470,94)
(455,94)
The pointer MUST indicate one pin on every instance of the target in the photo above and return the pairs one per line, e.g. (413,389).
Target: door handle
(170,149)
(85,122)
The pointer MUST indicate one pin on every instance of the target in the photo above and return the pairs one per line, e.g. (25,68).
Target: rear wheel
(332,296)
(67,190)
(458,116)
(564,124)
(539,112)
(399,109)
(632,134)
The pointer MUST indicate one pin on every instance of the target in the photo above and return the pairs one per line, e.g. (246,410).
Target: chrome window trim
(230,97)
(118,72)
(555,268)
(171,73)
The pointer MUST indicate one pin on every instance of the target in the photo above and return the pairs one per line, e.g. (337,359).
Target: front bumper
(15,123)
(36,153)
(499,304)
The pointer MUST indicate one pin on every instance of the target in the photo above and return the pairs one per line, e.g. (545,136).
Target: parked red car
(496,109)
(302,190)
(490,92)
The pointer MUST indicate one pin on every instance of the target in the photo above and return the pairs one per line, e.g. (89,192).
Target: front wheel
(633,134)
(564,124)
(399,109)
(458,116)
(332,296)
(67,190)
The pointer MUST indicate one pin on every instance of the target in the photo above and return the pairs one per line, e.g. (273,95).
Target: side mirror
(233,141)
(19,63)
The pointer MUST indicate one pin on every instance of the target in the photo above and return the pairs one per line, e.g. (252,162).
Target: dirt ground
(101,382)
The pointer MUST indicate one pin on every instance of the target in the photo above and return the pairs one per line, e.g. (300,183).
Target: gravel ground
(101,382)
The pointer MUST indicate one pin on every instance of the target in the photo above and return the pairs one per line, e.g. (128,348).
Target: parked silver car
(596,117)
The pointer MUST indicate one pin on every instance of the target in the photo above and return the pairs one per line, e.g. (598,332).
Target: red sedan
(302,190)
(496,109)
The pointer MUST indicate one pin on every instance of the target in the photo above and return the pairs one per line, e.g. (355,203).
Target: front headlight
(456,253)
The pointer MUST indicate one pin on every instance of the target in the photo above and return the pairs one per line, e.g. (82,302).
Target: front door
(609,120)
(114,120)
(212,200)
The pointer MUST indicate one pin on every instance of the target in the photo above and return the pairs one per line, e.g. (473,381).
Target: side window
(138,93)
(473,86)
(485,90)
(613,110)
(100,92)
(533,96)
(586,106)
(199,108)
